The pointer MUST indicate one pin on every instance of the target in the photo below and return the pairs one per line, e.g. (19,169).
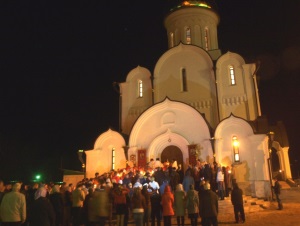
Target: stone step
(251,205)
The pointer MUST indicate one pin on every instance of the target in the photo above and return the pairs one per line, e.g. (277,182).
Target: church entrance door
(171,153)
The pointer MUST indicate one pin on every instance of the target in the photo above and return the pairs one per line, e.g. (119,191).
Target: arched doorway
(171,153)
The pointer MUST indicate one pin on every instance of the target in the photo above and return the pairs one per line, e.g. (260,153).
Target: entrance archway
(171,153)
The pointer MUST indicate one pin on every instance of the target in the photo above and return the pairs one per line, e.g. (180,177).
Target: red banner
(192,154)
(142,158)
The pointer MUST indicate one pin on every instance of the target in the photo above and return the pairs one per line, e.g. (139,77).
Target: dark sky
(58,62)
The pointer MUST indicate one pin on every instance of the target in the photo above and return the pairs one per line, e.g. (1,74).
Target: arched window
(171,39)
(183,80)
(206,38)
(188,35)
(140,88)
(232,75)
(113,158)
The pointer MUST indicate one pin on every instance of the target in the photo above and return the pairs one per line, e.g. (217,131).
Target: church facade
(198,104)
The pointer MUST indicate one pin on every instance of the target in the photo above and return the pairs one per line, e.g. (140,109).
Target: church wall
(101,160)
(176,121)
(169,123)
(239,99)
(250,90)
(131,104)
(200,89)
(252,171)
(225,149)
(197,36)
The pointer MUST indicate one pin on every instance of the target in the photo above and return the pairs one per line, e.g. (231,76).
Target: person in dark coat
(56,199)
(85,206)
(42,210)
(209,207)
(192,205)
(174,179)
(277,190)
(156,208)
(238,203)
(181,173)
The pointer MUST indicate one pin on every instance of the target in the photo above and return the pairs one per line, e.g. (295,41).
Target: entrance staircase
(251,204)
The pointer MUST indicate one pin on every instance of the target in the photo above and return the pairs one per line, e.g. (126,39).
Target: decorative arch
(138,73)
(230,58)
(168,138)
(112,137)
(233,121)
(225,131)
(165,115)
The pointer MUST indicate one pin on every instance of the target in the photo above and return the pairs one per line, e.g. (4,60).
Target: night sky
(58,62)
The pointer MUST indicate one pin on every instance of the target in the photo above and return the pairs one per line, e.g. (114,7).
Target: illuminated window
(206,38)
(183,80)
(235,146)
(113,158)
(232,76)
(140,88)
(172,39)
(188,35)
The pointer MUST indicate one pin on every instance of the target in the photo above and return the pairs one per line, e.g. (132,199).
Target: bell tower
(194,23)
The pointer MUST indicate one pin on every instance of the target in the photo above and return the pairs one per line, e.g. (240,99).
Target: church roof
(187,4)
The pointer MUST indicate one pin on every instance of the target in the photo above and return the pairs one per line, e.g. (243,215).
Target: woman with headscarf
(42,210)
(167,202)
(192,205)
(179,197)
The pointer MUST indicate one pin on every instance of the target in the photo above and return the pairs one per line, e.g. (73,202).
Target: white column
(286,162)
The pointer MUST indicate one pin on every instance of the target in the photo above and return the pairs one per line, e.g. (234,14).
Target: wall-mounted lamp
(235,146)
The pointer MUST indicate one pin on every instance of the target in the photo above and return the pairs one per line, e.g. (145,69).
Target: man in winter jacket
(209,207)
(237,202)
(13,207)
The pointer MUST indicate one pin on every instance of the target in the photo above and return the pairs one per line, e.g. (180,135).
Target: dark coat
(156,202)
(192,201)
(42,213)
(277,188)
(209,204)
(237,196)
(57,202)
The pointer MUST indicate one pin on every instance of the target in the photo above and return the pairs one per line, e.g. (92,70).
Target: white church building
(198,103)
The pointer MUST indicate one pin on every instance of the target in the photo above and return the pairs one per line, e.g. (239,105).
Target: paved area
(267,216)
(270,216)
(289,216)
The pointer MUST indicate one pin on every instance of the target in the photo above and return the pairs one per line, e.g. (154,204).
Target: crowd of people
(145,195)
